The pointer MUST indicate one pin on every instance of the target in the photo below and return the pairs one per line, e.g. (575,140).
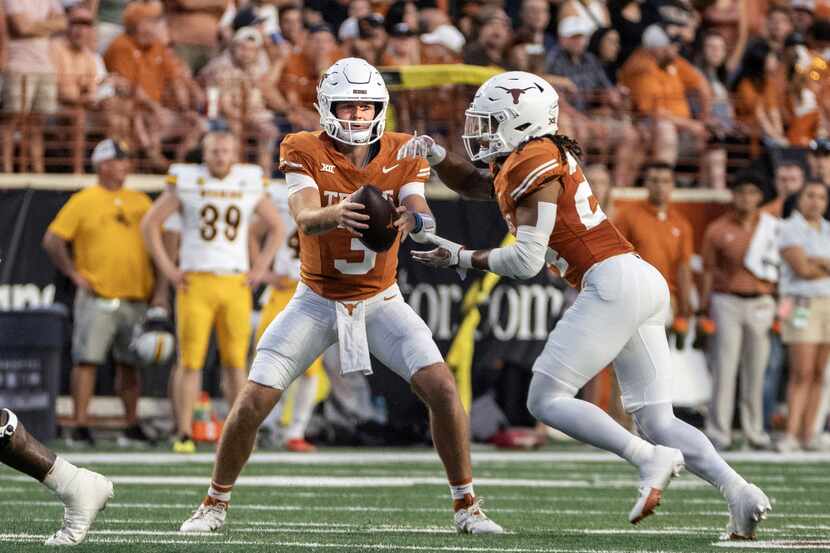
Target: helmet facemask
(352,132)
(482,136)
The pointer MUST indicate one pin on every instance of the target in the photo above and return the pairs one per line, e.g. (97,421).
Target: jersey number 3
(209,219)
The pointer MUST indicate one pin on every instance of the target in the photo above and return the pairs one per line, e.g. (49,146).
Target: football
(380,235)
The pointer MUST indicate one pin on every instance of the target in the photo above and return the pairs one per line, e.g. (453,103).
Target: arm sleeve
(416,180)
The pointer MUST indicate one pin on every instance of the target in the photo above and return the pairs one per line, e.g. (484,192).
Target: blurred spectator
(437,27)
(713,64)
(402,11)
(631,18)
(194,29)
(599,178)
(819,160)
(494,35)
(596,101)
(593,11)
(29,83)
(819,37)
(740,302)
(143,60)
(534,17)
(802,111)
(526,55)
(291,27)
(725,17)
(370,41)
(4,42)
(247,87)
(661,83)
(77,67)
(662,235)
(779,27)
(349,28)
(789,179)
(114,279)
(302,72)
(805,292)
(605,45)
(108,16)
(759,94)
(802,15)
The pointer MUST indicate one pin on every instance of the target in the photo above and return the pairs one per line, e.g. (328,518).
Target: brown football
(380,235)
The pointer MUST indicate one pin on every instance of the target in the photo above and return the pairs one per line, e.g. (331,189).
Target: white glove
(446,255)
(423,146)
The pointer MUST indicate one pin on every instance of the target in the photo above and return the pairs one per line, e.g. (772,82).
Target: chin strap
(7,429)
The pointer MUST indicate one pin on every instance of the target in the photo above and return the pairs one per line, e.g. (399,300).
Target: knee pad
(7,427)
(545,390)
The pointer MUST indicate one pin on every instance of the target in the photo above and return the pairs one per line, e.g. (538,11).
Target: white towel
(351,335)
(762,258)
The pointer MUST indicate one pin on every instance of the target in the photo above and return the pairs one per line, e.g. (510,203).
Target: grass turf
(553,505)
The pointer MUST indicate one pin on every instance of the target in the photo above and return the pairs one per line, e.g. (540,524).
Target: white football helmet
(509,109)
(352,80)
(154,341)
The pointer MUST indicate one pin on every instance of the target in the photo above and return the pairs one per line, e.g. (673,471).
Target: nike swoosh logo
(390,298)
(387,169)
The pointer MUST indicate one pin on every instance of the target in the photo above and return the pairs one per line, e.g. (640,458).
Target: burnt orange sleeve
(691,77)
(535,165)
(118,58)
(294,157)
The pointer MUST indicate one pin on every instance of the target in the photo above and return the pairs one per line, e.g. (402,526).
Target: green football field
(560,499)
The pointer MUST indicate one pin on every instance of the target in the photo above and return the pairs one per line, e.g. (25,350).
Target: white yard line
(313,545)
(776,545)
(392,457)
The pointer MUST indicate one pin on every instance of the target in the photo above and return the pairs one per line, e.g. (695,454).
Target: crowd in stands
(707,85)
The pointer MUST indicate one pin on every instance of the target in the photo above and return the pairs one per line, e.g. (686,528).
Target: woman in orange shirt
(759,94)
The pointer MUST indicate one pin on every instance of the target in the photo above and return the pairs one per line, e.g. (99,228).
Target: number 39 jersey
(582,234)
(215,216)
(336,265)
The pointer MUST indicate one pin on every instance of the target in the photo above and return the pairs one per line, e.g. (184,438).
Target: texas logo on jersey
(215,214)
(336,264)
(582,234)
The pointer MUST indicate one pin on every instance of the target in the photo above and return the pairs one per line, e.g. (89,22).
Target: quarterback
(348,294)
(620,312)
(216,202)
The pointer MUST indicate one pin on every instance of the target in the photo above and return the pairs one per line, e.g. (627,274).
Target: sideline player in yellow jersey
(348,293)
(214,278)
(620,312)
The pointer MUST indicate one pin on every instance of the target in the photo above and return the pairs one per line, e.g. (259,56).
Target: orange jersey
(582,234)
(336,264)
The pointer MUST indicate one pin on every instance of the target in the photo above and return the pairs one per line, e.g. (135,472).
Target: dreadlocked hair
(564,144)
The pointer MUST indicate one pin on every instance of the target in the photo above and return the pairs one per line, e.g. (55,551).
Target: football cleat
(472,520)
(184,445)
(655,475)
(747,508)
(299,445)
(209,517)
(85,496)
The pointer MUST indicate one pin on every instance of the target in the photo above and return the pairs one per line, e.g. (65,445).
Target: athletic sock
(60,475)
(220,492)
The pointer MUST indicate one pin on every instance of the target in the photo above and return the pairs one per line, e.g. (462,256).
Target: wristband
(465,259)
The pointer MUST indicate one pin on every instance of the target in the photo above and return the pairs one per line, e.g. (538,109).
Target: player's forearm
(313,221)
(464,178)
(152,238)
(266,255)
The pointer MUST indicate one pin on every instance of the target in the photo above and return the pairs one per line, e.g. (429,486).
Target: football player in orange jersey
(348,293)
(622,306)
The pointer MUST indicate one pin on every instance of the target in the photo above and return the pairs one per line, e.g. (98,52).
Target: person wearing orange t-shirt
(302,71)
(661,235)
